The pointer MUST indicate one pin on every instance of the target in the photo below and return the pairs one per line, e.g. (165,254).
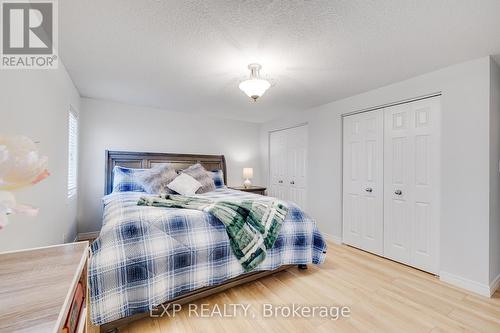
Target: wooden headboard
(143,160)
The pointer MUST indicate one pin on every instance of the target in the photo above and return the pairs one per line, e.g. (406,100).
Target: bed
(146,257)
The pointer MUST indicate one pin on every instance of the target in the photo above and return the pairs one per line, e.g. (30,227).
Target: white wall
(107,125)
(494,173)
(465,161)
(35,103)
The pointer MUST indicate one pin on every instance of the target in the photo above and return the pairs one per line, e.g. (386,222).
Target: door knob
(292,182)
(369,189)
(398,192)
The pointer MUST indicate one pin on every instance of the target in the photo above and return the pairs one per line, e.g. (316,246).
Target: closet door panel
(372,173)
(363,181)
(397,171)
(352,183)
(288,165)
(297,164)
(411,176)
(426,186)
(278,156)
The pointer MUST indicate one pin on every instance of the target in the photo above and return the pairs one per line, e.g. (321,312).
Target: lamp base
(247,183)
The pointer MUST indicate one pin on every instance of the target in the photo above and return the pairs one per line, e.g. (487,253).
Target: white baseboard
(494,285)
(470,285)
(87,235)
(335,239)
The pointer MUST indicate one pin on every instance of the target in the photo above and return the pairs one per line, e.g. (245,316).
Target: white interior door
(363,181)
(297,165)
(411,173)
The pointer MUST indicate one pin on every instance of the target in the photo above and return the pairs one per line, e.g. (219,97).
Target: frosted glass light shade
(248,173)
(254,88)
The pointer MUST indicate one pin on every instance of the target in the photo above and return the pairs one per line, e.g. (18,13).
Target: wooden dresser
(37,287)
(253,189)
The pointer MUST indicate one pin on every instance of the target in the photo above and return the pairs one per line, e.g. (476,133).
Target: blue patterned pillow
(218,177)
(127,180)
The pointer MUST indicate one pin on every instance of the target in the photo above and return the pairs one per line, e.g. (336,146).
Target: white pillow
(184,184)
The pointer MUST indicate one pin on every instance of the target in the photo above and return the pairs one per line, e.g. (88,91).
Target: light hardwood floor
(383,296)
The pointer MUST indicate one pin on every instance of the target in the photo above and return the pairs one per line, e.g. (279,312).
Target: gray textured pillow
(156,179)
(198,172)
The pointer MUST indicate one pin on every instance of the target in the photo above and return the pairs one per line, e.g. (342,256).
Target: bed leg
(302,266)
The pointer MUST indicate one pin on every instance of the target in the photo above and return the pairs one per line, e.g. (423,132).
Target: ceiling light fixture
(255,86)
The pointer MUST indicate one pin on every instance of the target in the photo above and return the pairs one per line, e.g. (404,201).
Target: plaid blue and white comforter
(145,256)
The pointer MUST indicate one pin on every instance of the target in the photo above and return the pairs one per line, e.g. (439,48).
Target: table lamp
(247,174)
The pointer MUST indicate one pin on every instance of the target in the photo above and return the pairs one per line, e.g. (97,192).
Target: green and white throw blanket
(252,225)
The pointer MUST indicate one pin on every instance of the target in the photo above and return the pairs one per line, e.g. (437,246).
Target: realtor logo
(29,34)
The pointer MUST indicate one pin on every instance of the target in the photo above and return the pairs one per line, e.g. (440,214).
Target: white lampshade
(254,88)
(248,173)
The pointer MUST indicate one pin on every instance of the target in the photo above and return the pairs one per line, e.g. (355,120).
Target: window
(72,151)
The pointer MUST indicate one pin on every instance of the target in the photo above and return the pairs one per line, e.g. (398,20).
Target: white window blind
(72,151)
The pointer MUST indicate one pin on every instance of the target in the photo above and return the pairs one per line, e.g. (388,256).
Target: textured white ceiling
(190,55)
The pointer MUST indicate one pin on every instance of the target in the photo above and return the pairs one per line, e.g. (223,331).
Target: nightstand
(252,189)
(41,288)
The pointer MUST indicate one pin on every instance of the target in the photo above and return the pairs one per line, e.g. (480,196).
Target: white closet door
(278,157)
(297,165)
(363,181)
(411,174)
(288,165)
